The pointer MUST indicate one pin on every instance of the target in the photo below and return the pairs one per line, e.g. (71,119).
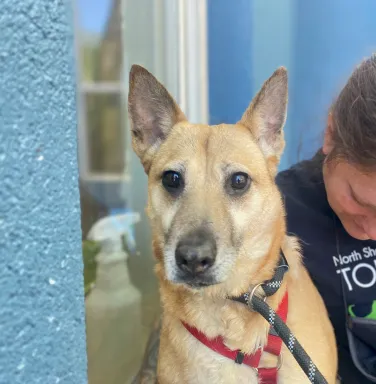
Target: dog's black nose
(196,252)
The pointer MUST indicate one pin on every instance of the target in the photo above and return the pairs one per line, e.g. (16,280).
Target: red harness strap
(273,346)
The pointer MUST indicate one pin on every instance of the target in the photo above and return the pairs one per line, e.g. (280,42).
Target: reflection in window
(112,303)
(105,132)
(100,40)
(100,89)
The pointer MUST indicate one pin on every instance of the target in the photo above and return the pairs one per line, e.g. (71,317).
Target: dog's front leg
(246,334)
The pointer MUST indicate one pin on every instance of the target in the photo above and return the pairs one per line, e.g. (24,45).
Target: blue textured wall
(247,41)
(329,39)
(272,42)
(319,41)
(42,334)
(230,59)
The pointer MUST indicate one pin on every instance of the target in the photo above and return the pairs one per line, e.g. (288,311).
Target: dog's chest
(207,366)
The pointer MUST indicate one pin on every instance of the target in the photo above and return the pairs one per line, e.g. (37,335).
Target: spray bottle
(113,307)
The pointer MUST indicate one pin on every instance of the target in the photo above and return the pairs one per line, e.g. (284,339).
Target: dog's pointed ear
(266,116)
(152,112)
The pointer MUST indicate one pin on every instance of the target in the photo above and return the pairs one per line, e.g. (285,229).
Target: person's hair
(354,118)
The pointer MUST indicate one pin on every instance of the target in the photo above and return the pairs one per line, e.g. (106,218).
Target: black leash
(259,305)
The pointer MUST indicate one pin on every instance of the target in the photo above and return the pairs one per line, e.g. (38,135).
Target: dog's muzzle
(195,255)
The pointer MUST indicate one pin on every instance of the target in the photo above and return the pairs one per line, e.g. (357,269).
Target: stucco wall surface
(42,328)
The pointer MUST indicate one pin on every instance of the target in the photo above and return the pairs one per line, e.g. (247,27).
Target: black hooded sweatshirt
(328,251)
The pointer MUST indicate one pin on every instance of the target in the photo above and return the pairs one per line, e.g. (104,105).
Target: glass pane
(99,40)
(122,297)
(105,132)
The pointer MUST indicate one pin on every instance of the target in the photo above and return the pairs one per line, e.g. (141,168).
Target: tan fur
(250,231)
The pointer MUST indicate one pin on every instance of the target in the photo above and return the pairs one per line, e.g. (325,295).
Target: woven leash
(259,305)
(293,345)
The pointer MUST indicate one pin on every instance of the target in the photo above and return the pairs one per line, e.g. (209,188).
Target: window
(101,90)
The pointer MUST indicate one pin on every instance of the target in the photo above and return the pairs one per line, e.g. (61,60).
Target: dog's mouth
(196,282)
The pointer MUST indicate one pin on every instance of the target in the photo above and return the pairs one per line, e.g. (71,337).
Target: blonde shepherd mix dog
(218,226)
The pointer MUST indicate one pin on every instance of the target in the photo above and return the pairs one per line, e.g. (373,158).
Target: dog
(218,225)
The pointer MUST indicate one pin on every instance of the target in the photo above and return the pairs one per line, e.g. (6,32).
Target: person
(330,202)
(331,206)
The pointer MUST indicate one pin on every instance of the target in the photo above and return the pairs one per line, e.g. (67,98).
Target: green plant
(90,249)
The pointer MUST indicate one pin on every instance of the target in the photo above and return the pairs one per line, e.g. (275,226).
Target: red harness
(273,346)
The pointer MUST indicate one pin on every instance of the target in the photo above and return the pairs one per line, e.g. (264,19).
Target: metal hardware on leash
(252,294)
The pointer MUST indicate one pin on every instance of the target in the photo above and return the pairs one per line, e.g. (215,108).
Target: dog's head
(213,203)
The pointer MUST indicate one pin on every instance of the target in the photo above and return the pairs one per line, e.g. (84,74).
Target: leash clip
(252,294)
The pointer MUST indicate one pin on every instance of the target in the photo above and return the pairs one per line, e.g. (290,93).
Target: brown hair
(354,118)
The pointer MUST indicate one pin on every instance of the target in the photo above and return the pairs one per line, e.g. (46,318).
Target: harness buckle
(279,365)
(253,293)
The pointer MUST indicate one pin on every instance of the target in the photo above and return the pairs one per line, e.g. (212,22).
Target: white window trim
(186,56)
(194,59)
(102,87)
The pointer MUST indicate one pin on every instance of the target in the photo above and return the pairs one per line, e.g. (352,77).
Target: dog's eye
(239,180)
(238,183)
(172,181)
